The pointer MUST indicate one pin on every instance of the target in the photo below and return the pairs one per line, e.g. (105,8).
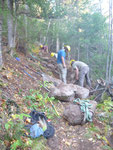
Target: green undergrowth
(41,102)
(14,125)
(101,129)
(15,135)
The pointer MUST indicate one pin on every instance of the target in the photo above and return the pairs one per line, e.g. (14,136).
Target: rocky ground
(18,77)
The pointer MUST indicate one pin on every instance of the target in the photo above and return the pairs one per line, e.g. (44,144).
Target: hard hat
(72,60)
(41,46)
(52,54)
(68,47)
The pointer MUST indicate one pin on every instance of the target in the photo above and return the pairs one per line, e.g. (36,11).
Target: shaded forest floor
(17,78)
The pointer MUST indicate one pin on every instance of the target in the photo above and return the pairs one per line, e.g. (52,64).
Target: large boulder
(81,92)
(65,92)
(50,79)
(68,92)
(73,114)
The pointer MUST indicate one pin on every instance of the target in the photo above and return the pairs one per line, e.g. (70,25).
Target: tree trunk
(26,22)
(87,48)
(10,26)
(1,17)
(57,43)
(100,3)
(111,57)
(49,23)
(1,41)
(14,38)
(78,54)
(15,25)
(109,43)
(77,17)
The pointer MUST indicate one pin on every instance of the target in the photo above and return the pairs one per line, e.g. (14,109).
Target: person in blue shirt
(61,62)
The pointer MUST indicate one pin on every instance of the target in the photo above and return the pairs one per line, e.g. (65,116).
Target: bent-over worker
(54,54)
(44,48)
(81,72)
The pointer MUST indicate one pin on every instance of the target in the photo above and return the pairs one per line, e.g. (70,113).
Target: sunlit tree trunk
(48,27)
(14,38)
(57,43)
(100,3)
(1,17)
(87,53)
(77,15)
(15,25)
(0,42)
(111,57)
(109,62)
(26,22)
(10,26)
(78,53)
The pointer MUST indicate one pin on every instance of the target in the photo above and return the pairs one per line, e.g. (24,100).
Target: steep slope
(17,78)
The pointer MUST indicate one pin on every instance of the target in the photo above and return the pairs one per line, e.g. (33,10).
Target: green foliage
(106,106)
(15,145)
(41,102)
(40,145)
(47,84)
(14,134)
(106,147)
(94,128)
(74,23)
(20,92)
(15,130)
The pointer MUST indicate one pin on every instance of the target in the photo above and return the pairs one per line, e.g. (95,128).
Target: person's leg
(64,75)
(60,71)
(81,78)
(88,82)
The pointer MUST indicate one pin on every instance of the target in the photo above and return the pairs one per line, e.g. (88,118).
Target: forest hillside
(21,85)
(37,110)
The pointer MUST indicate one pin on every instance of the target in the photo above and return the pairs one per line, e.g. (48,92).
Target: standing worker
(61,62)
(81,72)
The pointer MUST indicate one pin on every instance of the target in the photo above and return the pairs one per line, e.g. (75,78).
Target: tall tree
(110,47)
(10,26)
(1,20)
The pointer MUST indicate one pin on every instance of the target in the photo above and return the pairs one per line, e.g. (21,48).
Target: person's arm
(63,62)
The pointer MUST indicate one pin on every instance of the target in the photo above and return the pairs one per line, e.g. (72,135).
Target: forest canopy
(78,23)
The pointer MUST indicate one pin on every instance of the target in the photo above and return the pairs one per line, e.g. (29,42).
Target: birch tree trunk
(10,26)
(14,38)
(87,48)
(57,43)
(26,22)
(78,45)
(111,57)
(109,43)
(100,3)
(1,17)
(15,25)
(78,54)
(49,23)
(1,42)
